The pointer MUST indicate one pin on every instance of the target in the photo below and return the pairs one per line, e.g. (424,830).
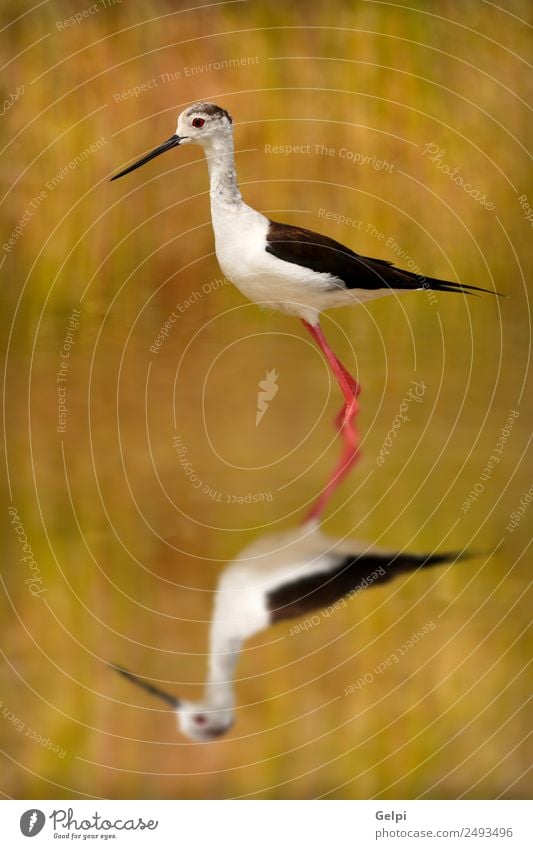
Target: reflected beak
(173,141)
(155,691)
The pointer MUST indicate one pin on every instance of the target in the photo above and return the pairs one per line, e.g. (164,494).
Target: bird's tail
(399,564)
(375,568)
(150,688)
(436,285)
(349,574)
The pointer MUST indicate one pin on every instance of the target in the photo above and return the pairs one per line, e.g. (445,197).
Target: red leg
(356,389)
(350,389)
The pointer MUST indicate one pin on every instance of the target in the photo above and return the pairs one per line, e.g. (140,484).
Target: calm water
(135,465)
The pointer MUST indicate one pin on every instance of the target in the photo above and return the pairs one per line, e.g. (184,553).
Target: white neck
(224,654)
(224,190)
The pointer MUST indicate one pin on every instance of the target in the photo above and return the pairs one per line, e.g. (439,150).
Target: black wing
(320,253)
(351,573)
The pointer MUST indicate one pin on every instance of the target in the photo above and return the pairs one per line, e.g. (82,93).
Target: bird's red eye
(198,122)
(200,718)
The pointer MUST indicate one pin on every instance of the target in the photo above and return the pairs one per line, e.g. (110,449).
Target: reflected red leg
(345,421)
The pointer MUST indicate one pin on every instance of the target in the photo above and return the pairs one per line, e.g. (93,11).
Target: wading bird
(288,268)
(279,576)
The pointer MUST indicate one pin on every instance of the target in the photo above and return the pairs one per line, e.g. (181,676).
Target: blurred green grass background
(128,549)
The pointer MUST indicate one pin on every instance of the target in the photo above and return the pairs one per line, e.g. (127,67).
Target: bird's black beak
(140,682)
(173,141)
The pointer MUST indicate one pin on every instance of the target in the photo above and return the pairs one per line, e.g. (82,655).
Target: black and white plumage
(290,269)
(280,576)
(350,270)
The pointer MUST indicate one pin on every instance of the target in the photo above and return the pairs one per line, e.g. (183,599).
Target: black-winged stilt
(279,576)
(288,268)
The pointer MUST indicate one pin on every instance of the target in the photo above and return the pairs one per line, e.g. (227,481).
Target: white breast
(241,241)
(275,560)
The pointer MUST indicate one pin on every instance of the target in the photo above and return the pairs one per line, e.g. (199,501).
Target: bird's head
(201,721)
(202,123)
